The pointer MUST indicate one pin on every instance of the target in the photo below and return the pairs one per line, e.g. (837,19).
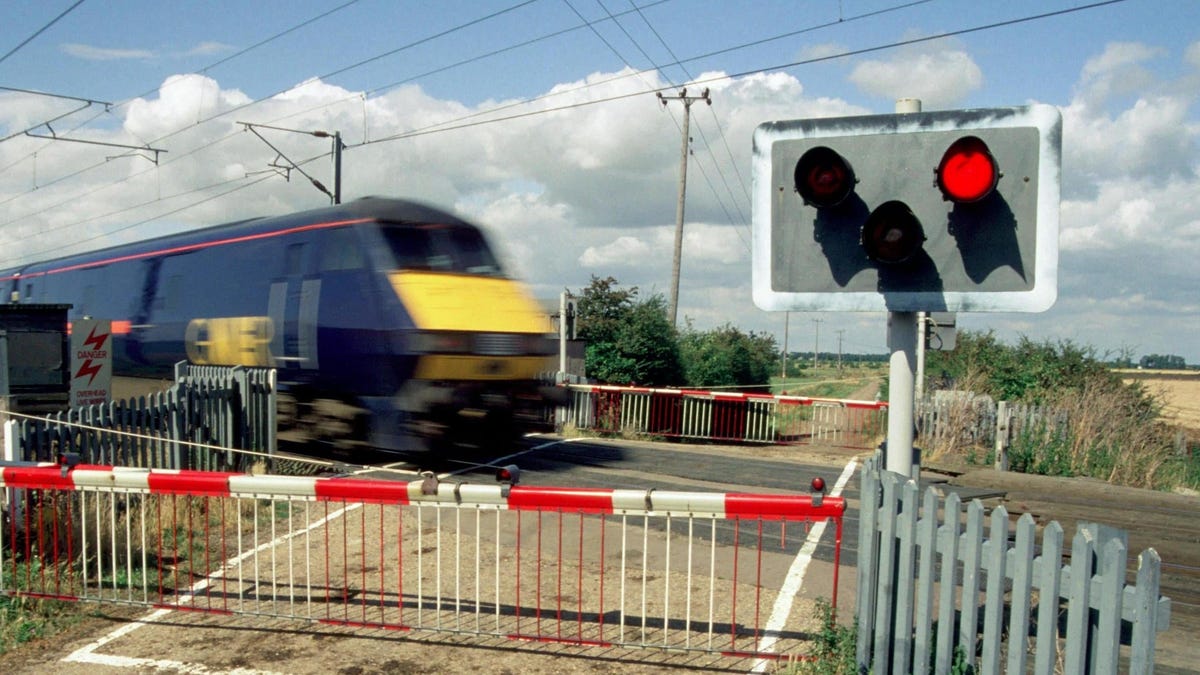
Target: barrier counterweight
(675,571)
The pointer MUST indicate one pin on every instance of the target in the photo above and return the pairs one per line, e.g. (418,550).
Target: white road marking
(86,654)
(499,461)
(795,577)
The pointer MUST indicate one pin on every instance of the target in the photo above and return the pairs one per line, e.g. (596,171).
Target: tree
(601,309)
(1162,362)
(1028,371)
(628,341)
(725,356)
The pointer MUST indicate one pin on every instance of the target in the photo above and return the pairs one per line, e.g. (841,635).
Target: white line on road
(498,461)
(795,577)
(86,654)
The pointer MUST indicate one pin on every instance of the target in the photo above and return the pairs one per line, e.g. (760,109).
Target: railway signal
(946,210)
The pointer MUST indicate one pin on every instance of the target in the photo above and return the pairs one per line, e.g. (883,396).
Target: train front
(476,349)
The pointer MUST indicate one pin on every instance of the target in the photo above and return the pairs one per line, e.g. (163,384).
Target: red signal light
(968,171)
(823,177)
(508,474)
(892,234)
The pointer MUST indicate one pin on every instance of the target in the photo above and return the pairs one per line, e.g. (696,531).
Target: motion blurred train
(391,324)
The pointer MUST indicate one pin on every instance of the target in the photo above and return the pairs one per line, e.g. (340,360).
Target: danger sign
(91,362)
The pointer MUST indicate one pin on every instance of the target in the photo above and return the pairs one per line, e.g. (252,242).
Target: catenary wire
(41,30)
(178,156)
(463,123)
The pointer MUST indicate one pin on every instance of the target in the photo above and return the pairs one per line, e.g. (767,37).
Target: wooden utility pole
(683,156)
(840,334)
(816,341)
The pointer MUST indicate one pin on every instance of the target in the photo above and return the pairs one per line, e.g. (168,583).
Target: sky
(539,120)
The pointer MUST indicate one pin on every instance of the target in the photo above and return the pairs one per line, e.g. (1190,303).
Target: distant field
(860,383)
(1179,390)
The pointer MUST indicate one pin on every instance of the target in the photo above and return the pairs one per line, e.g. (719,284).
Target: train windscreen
(442,248)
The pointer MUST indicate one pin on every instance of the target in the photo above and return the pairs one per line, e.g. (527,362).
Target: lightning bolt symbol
(88,368)
(96,341)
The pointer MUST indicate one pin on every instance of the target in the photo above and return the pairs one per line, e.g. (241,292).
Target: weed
(835,651)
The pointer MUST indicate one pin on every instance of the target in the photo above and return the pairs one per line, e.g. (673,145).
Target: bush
(1097,425)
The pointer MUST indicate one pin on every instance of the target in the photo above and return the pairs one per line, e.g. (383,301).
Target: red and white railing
(587,567)
(726,416)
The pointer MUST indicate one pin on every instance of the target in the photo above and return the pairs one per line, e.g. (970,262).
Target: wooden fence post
(1002,436)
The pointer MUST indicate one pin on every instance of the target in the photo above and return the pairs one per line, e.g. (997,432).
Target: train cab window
(341,251)
(441,248)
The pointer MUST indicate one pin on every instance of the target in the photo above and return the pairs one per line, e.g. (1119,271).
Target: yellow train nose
(473,328)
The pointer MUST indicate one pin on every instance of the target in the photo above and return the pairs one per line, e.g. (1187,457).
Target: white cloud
(623,251)
(1117,71)
(1154,138)
(1131,212)
(1192,55)
(821,51)
(939,78)
(209,48)
(90,53)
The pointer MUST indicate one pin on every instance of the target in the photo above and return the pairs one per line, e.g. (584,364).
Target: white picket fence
(923,564)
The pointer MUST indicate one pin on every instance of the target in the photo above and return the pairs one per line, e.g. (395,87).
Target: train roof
(359,210)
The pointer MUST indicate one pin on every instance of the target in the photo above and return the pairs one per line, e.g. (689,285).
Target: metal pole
(337,167)
(922,319)
(902,341)
(562,336)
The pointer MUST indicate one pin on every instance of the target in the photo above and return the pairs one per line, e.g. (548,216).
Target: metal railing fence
(689,572)
(207,407)
(721,416)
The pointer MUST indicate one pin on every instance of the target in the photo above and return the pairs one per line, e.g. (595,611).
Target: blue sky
(585,182)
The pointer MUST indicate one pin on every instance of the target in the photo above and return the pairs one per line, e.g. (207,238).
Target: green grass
(25,619)
(826,382)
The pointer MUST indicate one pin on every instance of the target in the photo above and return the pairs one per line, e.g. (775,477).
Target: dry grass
(1098,430)
(1108,435)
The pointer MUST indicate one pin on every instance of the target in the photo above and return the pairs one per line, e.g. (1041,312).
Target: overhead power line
(41,30)
(469,121)
(453,125)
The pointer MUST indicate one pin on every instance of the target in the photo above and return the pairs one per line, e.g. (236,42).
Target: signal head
(823,177)
(968,171)
(892,234)
(888,235)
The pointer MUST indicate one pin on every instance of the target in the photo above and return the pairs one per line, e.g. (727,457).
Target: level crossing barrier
(691,572)
(725,416)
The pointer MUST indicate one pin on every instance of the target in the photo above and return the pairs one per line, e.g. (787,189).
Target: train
(392,324)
